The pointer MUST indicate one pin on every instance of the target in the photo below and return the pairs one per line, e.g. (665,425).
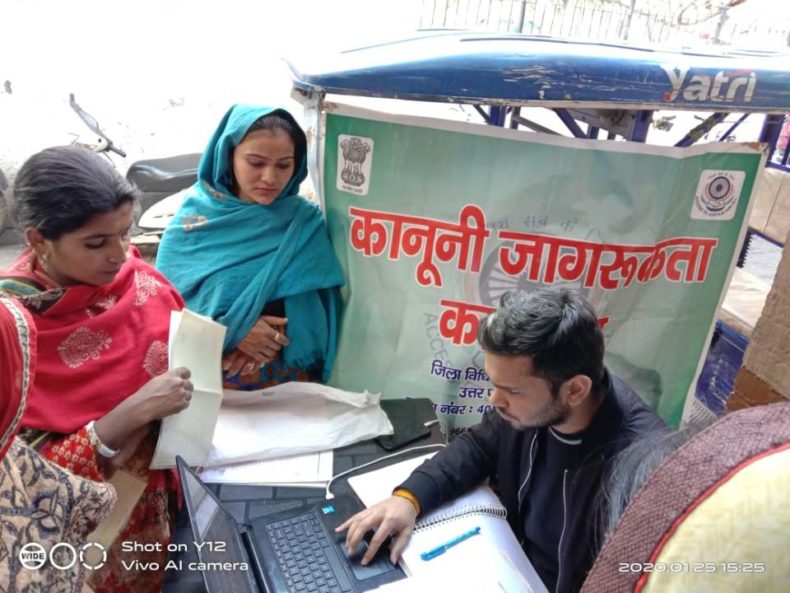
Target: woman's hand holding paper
(166,394)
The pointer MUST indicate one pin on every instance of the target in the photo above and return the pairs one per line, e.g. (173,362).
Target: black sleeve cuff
(424,490)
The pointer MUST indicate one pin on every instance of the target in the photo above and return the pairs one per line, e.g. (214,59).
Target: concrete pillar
(765,375)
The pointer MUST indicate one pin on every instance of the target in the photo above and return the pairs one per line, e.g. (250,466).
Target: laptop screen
(225,565)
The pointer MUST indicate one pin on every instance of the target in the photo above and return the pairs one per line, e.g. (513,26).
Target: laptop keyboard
(305,556)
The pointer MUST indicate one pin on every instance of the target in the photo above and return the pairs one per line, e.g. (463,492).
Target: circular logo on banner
(717,195)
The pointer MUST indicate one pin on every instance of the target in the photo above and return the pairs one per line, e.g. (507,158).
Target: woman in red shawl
(40,503)
(103,317)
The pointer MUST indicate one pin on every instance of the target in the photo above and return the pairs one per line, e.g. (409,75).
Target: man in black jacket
(558,418)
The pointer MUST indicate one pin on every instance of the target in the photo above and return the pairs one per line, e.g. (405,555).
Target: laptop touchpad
(379,565)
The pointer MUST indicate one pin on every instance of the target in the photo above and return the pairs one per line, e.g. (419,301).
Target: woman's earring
(43,260)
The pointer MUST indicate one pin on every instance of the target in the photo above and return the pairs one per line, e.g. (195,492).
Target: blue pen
(439,550)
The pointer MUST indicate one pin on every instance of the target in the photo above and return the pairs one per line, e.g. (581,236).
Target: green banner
(434,220)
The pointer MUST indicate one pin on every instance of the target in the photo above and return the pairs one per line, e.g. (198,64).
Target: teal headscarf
(228,258)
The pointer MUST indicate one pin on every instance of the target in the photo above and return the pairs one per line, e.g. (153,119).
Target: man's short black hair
(557,329)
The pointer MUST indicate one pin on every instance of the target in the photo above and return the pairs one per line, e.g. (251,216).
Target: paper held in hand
(477,508)
(195,343)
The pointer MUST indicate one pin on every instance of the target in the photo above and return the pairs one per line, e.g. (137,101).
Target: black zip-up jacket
(493,449)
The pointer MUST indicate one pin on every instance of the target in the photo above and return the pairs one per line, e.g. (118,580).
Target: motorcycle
(163,183)
(160,181)
(103,144)
(157,180)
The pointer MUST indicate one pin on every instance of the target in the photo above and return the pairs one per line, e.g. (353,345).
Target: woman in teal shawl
(249,252)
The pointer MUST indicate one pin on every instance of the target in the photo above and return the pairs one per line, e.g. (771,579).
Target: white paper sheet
(374,486)
(499,576)
(292,419)
(297,388)
(195,343)
(314,469)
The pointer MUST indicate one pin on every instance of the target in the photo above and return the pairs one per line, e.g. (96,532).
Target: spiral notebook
(478,508)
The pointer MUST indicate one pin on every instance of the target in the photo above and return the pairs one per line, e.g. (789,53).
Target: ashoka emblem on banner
(354,162)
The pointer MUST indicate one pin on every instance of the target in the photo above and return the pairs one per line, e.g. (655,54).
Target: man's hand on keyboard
(393,517)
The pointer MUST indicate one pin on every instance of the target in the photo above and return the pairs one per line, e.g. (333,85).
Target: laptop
(291,551)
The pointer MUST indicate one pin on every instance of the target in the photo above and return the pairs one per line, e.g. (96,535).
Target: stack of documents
(294,426)
(312,470)
(293,419)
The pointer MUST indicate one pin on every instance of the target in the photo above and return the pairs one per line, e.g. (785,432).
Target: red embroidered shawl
(18,352)
(97,345)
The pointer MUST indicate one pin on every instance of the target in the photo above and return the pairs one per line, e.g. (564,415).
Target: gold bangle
(407,494)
